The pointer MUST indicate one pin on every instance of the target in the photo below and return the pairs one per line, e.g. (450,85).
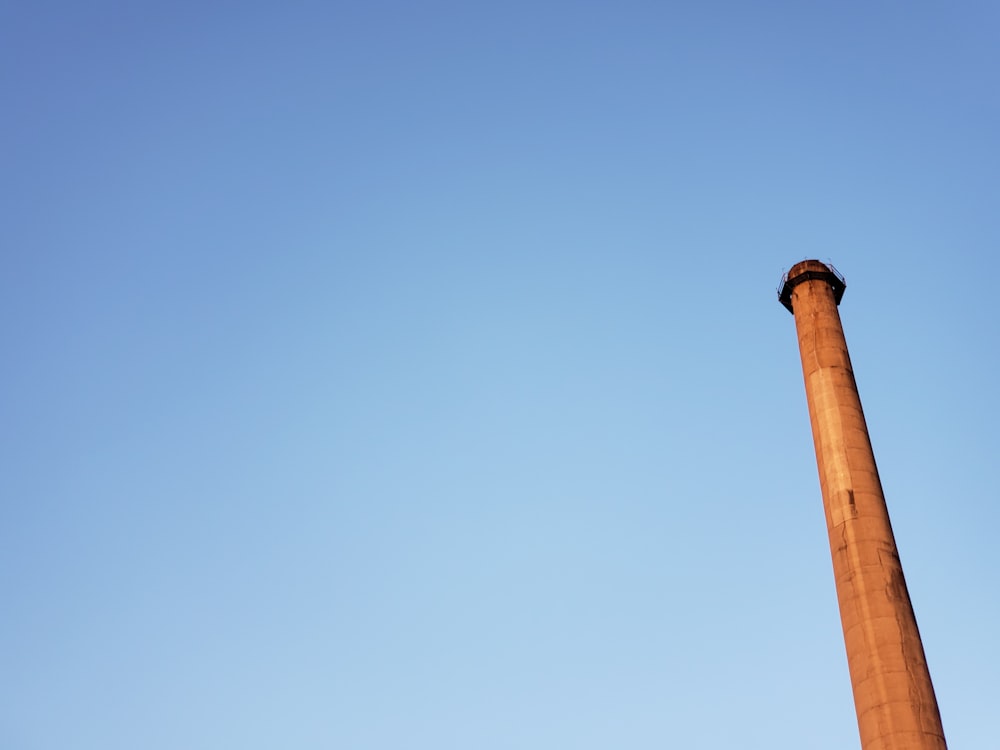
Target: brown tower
(893,695)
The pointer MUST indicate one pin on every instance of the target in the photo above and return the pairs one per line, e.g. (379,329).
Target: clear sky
(385,375)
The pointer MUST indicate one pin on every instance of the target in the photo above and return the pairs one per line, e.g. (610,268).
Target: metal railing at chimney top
(832,268)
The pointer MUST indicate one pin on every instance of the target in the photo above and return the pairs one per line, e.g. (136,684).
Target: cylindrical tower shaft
(893,694)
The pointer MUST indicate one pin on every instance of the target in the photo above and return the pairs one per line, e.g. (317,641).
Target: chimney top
(808,270)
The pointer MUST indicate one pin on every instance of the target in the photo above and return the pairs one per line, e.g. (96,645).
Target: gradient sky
(386,376)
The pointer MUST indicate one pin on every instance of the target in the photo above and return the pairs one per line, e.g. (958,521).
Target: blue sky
(386,375)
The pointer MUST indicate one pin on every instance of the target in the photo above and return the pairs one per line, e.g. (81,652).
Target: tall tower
(893,694)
